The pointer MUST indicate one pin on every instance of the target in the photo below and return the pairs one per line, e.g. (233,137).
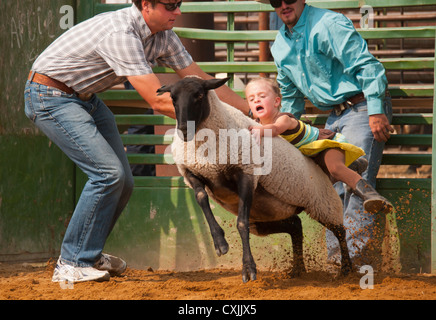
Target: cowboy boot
(359,165)
(373,202)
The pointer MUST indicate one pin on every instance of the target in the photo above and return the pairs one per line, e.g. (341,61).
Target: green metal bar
(398,139)
(394,3)
(142,119)
(270,67)
(410,140)
(388,159)
(397,33)
(137,158)
(403,183)
(433,182)
(160,182)
(412,118)
(231,46)
(408,63)
(225,35)
(412,91)
(120,95)
(146,139)
(318,119)
(401,159)
(396,91)
(270,35)
(252,6)
(398,118)
(229,67)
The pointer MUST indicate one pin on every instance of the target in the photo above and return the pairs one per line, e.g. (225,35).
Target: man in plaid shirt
(60,98)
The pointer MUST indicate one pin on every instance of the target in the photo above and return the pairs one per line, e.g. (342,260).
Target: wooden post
(263,46)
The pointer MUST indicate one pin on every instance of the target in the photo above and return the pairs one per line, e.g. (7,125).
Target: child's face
(262,100)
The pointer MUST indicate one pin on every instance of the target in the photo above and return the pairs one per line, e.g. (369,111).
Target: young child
(328,149)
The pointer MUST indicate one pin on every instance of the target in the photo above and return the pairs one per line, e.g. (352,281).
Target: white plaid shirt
(101,52)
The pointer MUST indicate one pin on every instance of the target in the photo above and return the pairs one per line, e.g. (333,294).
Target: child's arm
(282,124)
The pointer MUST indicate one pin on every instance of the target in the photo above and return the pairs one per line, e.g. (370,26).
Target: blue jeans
(353,123)
(87,133)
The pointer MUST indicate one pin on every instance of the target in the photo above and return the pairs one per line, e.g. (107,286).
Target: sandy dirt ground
(33,282)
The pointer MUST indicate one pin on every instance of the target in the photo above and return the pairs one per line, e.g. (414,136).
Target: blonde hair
(272,83)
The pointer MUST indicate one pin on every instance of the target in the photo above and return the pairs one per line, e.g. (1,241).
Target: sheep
(264,203)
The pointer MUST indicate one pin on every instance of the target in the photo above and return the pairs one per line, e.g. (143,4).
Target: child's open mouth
(259,108)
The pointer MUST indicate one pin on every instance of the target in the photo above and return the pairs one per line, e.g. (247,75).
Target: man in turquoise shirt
(320,56)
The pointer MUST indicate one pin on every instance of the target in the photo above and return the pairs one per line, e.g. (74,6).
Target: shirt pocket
(317,67)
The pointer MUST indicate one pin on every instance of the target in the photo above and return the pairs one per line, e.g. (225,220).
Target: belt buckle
(339,109)
(85,96)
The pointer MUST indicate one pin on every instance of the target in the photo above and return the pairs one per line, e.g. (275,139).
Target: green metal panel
(36,197)
(36,179)
(411,220)
(433,185)
(86,9)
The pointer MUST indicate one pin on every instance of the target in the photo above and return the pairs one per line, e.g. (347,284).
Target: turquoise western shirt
(325,59)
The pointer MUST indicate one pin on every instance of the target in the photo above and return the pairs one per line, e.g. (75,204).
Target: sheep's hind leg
(245,192)
(293,227)
(339,232)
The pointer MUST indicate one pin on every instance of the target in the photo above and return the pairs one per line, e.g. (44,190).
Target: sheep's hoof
(296,272)
(346,269)
(221,248)
(249,273)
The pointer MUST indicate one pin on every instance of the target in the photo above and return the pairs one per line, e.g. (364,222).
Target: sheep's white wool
(294,181)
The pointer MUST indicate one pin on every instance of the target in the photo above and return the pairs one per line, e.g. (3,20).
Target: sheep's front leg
(245,192)
(220,243)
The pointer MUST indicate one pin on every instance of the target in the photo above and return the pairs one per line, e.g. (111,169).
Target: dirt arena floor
(32,281)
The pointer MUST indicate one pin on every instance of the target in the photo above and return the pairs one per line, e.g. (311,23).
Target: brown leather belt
(49,82)
(358,98)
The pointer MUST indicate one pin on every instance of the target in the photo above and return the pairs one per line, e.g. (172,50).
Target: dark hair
(138,3)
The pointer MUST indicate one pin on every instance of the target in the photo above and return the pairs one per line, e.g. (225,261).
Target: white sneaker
(114,265)
(68,273)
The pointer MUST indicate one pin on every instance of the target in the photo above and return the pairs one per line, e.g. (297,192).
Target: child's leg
(334,162)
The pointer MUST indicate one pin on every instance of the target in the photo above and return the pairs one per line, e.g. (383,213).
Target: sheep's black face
(190,102)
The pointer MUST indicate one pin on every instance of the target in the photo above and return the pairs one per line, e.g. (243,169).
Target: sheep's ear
(163,89)
(214,83)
